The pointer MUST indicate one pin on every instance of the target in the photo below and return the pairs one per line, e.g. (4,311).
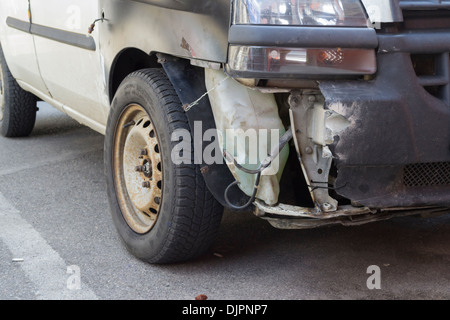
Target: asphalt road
(57,240)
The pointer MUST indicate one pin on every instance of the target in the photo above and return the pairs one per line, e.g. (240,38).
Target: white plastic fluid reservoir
(249,126)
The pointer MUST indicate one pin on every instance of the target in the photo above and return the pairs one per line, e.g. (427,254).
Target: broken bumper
(387,140)
(393,157)
(396,152)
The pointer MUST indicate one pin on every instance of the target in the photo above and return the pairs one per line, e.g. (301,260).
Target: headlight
(349,13)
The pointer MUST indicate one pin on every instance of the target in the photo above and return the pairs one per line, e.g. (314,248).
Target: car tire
(17,106)
(163,211)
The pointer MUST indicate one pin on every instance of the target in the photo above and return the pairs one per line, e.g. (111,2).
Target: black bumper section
(395,123)
(302,37)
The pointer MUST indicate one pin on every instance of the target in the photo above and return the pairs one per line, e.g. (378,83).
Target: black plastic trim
(71,38)
(303,37)
(433,41)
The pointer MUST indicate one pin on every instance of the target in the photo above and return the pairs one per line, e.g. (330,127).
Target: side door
(69,57)
(18,45)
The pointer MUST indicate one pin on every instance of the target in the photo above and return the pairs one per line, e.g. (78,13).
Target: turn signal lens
(247,62)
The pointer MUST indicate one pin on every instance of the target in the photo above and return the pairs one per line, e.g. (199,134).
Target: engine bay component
(249,128)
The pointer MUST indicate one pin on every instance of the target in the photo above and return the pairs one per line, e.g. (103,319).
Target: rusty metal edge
(285,216)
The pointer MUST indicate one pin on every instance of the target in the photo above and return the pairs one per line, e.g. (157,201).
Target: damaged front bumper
(381,143)
(396,152)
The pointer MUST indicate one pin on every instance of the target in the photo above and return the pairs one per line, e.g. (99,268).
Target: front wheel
(162,210)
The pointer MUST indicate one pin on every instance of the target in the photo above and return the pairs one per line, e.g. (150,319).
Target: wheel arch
(126,62)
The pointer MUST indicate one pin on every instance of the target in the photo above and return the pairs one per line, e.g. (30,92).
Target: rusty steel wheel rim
(137,169)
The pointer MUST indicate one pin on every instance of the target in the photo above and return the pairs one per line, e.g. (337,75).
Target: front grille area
(427,174)
(426,19)
(433,72)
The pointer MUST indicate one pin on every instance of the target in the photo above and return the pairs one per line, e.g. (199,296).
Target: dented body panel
(188,29)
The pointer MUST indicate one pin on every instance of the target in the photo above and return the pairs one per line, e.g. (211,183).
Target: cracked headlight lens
(348,13)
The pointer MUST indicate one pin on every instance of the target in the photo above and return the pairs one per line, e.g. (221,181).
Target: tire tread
(20,106)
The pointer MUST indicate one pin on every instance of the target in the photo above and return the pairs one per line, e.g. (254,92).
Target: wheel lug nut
(139,169)
(143,152)
(146,184)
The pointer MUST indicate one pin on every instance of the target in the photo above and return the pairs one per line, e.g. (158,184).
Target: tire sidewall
(19,114)
(4,79)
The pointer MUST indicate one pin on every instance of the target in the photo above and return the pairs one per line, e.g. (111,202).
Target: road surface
(57,240)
